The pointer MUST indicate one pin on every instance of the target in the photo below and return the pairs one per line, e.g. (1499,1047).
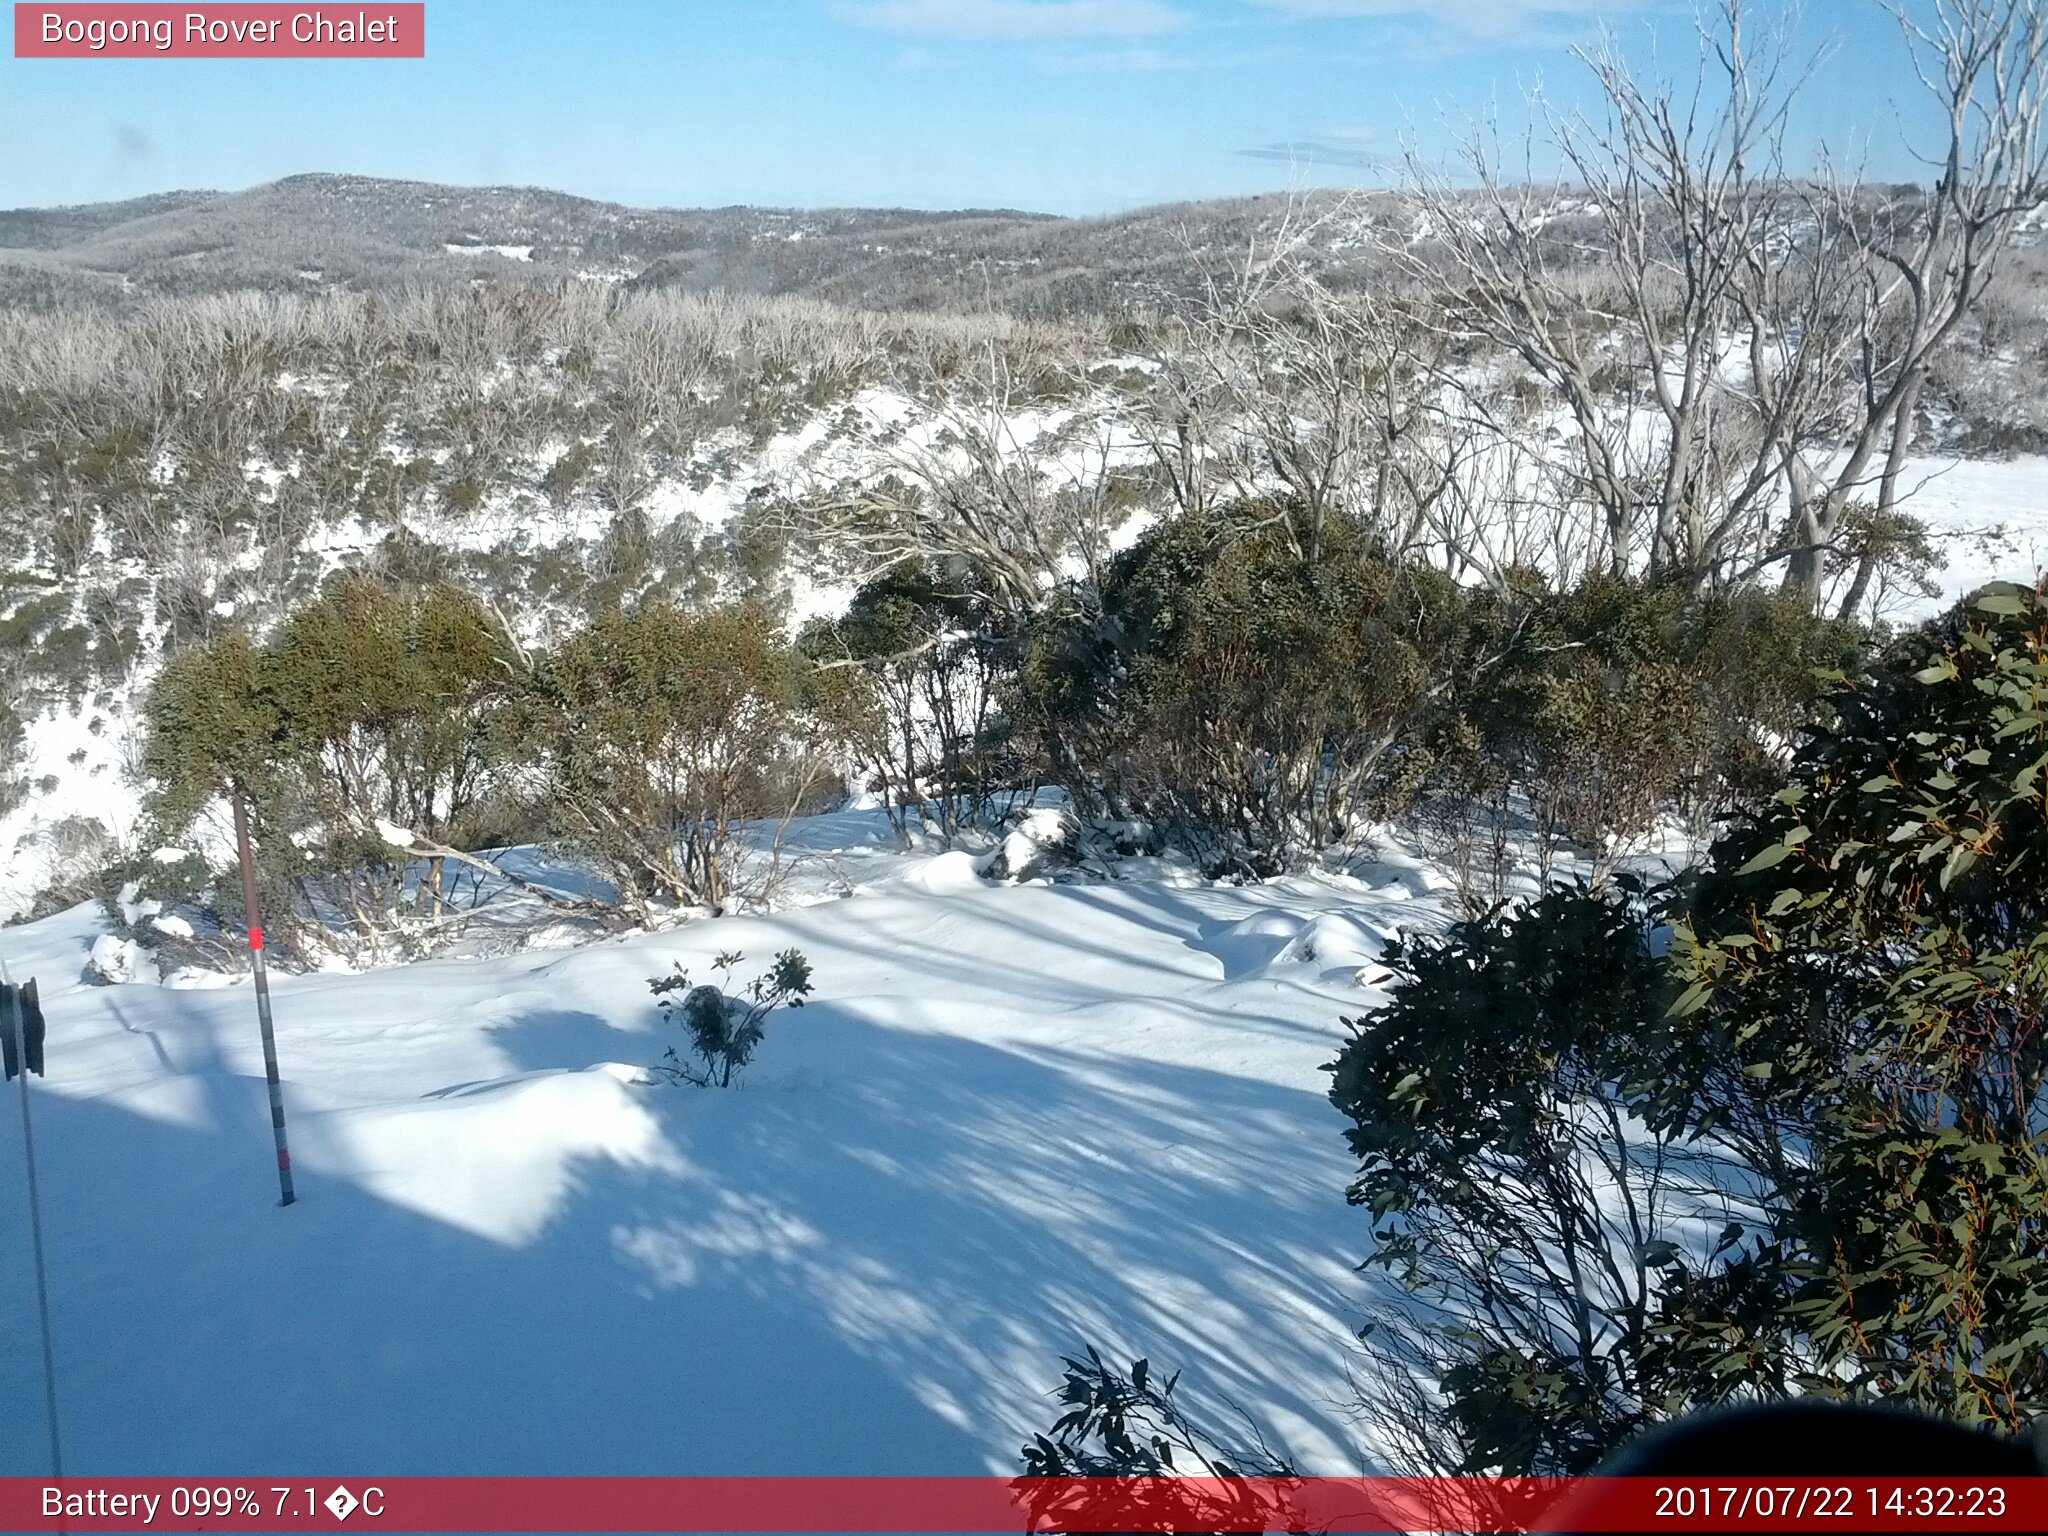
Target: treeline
(385,735)
(1217,695)
(162,467)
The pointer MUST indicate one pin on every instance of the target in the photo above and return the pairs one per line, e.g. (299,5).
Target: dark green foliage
(52,644)
(1119,1424)
(1804,1153)
(388,698)
(11,788)
(1874,943)
(562,478)
(376,710)
(1249,703)
(1254,706)
(1584,718)
(726,1031)
(208,723)
(1617,702)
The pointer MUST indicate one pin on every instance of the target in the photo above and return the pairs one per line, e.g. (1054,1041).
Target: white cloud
(1036,20)
(1351,147)
(1494,20)
(1124,61)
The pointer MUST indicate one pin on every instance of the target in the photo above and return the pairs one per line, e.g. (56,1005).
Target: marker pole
(254,914)
(10,1006)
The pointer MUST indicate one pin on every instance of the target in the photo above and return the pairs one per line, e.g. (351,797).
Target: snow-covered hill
(1015,1119)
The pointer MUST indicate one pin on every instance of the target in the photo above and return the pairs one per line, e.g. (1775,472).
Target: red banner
(100,31)
(977,1504)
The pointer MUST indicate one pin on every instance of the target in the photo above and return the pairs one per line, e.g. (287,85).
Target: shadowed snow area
(1015,1119)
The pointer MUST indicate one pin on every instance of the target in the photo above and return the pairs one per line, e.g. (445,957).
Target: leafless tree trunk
(1021,498)
(1774,331)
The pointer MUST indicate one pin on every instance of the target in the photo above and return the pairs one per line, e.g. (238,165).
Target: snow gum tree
(913,674)
(1736,346)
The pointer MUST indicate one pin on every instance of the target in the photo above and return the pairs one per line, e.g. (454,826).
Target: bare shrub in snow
(1022,498)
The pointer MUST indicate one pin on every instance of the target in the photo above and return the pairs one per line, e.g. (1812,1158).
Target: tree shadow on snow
(961,1213)
(202,1330)
(865,1259)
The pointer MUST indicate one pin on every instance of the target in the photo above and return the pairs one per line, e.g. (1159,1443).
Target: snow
(116,961)
(397,836)
(509,252)
(134,905)
(95,787)
(1988,518)
(1014,1119)
(948,873)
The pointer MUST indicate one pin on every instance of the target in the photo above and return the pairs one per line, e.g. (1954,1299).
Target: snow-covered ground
(1014,1120)
(1988,519)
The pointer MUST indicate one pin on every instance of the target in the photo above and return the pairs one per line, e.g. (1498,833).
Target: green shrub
(726,1031)
(660,732)
(1802,1153)
(372,705)
(1510,1109)
(566,475)
(1617,703)
(1253,706)
(207,724)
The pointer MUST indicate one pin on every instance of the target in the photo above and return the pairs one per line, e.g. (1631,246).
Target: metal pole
(254,914)
(11,1006)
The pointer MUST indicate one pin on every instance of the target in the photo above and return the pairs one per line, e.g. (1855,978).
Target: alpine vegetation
(1420,811)
(726,1031)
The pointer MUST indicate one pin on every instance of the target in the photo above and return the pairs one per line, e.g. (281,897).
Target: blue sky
(1065,106)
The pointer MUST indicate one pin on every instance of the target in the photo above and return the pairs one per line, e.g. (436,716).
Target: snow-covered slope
(1987,520)
(1015,1119)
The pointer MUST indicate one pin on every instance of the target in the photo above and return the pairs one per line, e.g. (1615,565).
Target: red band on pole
(255,938)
